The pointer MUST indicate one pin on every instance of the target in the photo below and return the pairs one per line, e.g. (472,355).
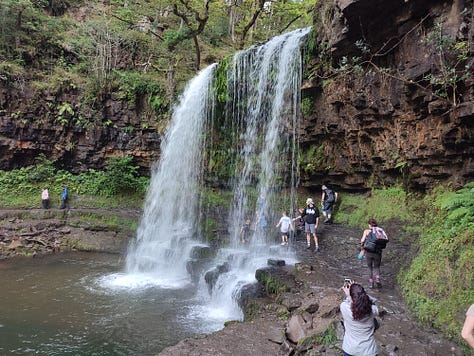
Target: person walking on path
(285,227)
(467,332)
(328,198)
(358,311)
(311,216)
(45,198)
(64,198)
(373,257)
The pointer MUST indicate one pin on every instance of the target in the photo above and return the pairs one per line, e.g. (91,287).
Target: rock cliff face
(389,91)
(34,122)
(393,102)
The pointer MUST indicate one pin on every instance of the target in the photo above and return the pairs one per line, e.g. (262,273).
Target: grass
(381,204)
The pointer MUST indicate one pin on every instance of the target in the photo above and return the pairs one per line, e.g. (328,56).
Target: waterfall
(264,96)
(264,87)
(167,230)
(262,110)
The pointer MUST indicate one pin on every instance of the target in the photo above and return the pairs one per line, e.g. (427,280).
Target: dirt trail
(399,334)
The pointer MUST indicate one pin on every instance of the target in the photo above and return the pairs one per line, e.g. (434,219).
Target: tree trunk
(198,52)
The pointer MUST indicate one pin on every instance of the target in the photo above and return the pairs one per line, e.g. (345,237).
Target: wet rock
(212,276)
(292,301)
(247,293)
(275,263)
(201,252)
(281,277)
(298,327)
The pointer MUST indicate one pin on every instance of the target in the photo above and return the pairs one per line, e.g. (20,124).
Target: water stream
(60,305)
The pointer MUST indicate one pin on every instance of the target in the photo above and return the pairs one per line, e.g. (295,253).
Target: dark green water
(58,305)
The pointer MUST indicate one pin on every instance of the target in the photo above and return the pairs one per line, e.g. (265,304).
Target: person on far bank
(373,258)
(328,198)
(45,198)
(467,332)
(64,198)
(285,227)
(311,216)
(358,311)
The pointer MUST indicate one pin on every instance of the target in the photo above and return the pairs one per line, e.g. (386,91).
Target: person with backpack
(328,198)
(373,241)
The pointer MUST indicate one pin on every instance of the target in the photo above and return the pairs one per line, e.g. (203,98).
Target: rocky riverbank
(289,323)
(39,232)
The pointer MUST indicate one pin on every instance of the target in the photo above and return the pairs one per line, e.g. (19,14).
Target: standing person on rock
(358,311)
(45,198)
(373,257)
(328,198)
(311,216)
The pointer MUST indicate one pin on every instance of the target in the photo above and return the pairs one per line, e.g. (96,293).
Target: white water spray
(167,229)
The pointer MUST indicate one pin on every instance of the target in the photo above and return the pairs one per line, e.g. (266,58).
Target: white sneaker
(282,243)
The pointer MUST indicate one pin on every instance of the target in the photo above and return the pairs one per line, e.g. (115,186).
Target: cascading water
(167,230)
(264,86)
(264,91)
(263,94)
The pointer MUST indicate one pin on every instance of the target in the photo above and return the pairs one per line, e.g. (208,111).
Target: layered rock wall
(55,123)
(376,118)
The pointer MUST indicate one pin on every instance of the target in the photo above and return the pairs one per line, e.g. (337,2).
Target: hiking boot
(308,246)
(378,284)
(371,284)
(326,221)
(317,249)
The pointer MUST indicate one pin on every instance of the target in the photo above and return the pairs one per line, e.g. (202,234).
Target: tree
(195,18)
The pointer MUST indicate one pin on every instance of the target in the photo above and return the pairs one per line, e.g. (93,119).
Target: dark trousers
(373,262)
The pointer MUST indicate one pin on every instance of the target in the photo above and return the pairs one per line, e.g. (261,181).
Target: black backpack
(373,243)
(370,243)
(330,198)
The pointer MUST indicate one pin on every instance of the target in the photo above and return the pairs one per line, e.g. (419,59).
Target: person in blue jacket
(64,198)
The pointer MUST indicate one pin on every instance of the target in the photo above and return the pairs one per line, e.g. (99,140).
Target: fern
(463,198)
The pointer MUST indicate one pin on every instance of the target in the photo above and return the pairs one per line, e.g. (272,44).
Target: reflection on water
(74,304)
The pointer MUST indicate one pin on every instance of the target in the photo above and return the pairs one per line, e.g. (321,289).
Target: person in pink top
(45,198)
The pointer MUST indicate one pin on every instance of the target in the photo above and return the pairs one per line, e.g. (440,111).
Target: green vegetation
(452,63)
(118,185)
(328,337)
(138,51)
(439,285)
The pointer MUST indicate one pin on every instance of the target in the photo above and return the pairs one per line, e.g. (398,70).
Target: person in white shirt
(285,228)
